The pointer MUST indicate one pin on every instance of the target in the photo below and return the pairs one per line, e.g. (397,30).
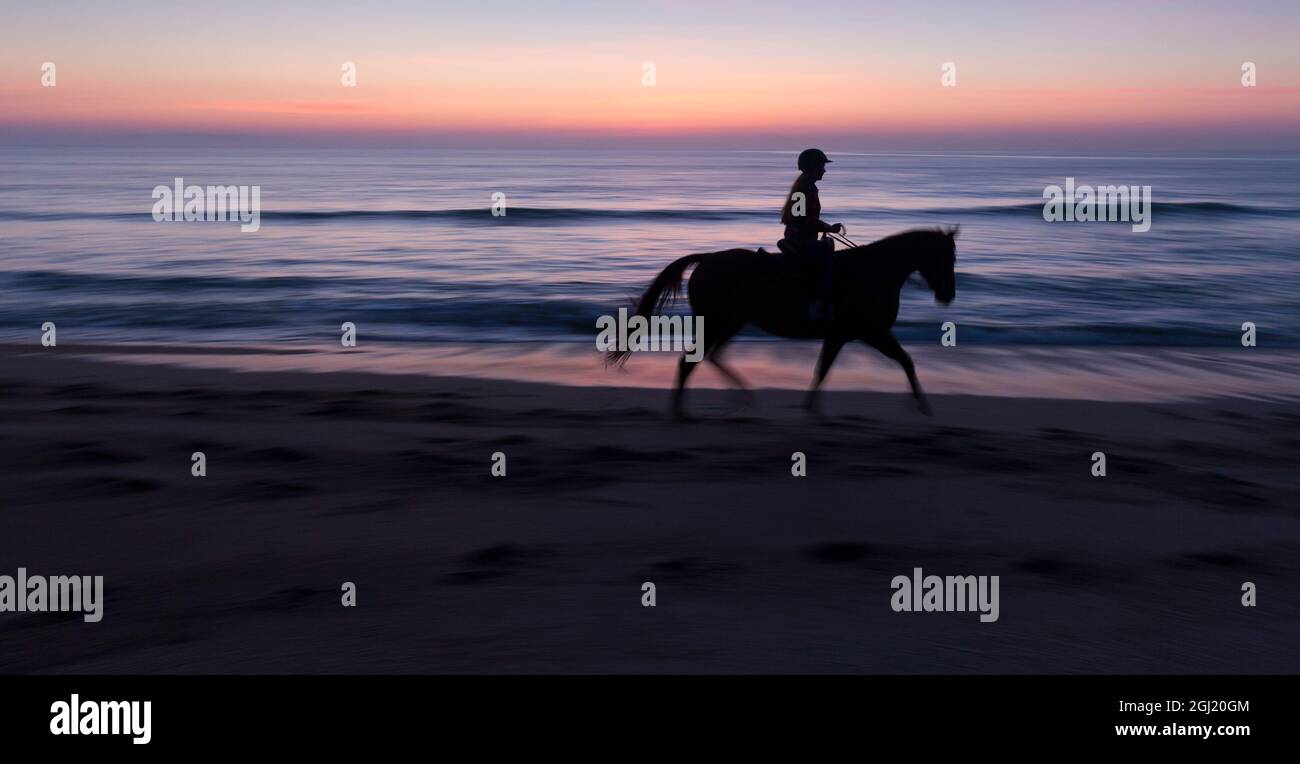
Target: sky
(527,73)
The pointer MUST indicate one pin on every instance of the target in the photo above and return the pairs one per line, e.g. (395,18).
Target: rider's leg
(823,254)
(827,255)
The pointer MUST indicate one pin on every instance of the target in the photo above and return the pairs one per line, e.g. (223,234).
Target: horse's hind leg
(684,369)
(715,357)
(887,343)
(709,351)
(830,349)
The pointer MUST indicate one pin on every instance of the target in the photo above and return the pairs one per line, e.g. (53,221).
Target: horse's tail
(663,291)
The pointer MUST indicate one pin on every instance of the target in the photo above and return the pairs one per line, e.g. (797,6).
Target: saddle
(800,259)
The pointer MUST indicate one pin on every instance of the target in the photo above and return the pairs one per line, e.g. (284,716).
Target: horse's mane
(909,237)
(905,243)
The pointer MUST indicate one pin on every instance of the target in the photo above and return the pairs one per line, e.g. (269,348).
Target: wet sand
(315,479)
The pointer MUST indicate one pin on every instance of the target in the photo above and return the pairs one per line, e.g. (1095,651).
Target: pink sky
(1110,75)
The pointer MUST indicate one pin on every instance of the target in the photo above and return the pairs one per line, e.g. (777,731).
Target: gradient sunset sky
(516,73)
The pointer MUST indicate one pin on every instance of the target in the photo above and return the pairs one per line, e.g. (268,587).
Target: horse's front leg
(830,349)
(887,344)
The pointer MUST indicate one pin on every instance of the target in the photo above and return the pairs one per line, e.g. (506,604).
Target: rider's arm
(815,208)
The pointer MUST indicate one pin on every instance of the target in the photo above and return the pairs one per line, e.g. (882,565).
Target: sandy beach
(315,479)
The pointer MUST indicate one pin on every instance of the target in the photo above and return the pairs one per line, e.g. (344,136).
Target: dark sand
(317,479)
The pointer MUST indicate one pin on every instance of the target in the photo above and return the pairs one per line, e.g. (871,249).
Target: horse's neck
(887,268)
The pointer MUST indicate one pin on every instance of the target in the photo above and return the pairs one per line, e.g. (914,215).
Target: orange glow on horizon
(661,112)
(558,78)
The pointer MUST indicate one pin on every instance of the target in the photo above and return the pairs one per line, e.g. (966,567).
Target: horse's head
(939,265)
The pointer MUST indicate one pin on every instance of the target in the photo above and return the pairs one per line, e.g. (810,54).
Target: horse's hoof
(924,407)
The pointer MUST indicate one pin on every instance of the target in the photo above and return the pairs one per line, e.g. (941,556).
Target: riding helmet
(810,158)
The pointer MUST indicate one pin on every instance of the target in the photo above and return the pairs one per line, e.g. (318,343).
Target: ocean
(403,244)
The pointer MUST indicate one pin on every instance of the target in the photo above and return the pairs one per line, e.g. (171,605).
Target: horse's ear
(952,232)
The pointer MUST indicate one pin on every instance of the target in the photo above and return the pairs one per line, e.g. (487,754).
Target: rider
(803,224)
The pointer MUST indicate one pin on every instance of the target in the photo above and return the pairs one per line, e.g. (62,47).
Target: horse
(736,287)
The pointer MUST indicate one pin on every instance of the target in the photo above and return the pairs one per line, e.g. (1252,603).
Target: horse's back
(751,261)
(733,269)
(738,286)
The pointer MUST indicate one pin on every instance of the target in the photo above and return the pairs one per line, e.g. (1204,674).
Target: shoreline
(1130,374)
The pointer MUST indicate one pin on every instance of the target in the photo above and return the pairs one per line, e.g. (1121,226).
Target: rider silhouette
(803,225)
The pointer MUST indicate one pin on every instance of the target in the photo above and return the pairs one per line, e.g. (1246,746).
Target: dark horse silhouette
(736,287)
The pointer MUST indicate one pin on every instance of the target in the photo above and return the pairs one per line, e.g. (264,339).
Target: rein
(841,239)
